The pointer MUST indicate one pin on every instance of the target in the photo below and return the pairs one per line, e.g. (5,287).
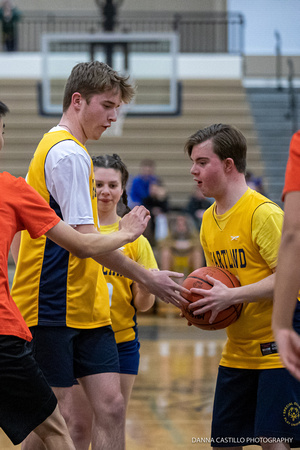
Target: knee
(113,409)
(117,408)
(80,429)
(79,422)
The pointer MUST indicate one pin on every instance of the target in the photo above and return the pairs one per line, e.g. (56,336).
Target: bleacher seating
(162,138)
(270,110)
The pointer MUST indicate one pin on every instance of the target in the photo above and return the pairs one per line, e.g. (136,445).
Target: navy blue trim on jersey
(296,320)
(53,281)
(135,327)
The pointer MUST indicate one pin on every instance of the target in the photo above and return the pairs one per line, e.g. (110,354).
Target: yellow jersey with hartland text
(245,240)
(123,311)
(52,287)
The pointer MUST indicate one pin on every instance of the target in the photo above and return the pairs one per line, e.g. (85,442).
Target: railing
(278,60)
(199,32)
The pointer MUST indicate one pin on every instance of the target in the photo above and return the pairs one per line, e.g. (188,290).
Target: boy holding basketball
(241,232)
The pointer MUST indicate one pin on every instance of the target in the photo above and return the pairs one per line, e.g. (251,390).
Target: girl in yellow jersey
(126,297)
(256,401)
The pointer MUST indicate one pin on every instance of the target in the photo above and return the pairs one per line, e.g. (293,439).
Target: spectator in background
(254,182)
(158,205)
(9,16)
(141,183)
(196,206)
(181,249)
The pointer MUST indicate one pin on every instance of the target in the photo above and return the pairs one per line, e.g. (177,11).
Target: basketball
(197,279)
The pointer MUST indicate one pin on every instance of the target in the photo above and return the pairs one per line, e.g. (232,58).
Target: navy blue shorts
(254,404)
(26,399)
(129,356)
(67,353)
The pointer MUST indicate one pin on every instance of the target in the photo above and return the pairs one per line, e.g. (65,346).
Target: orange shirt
(292,174)
(21,207)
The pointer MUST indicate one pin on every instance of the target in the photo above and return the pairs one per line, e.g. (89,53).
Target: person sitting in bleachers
(157,203)
(196,206)
(141,183)
(181,250)
(254,182)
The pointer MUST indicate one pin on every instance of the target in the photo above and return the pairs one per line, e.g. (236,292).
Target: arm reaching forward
(87,242)
(287,286)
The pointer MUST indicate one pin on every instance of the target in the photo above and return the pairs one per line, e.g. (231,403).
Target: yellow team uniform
(245,240)
(123,312)
(48,285)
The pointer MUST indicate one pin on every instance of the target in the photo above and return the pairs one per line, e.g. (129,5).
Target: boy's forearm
(87,244)
(288,268)
(123,265)
(286,284)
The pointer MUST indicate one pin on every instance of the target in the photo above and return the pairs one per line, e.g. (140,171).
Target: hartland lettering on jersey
(228,259)
(110,272)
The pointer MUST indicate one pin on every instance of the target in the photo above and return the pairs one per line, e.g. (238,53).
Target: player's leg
(98,373)
(27,401)
(104,394)
(228,448)
(274,446)
(234,408)
(54,433)
(127,382)
(278,416)
(80,421)
(36,439)
(129,358)
(53,350)
(33,441)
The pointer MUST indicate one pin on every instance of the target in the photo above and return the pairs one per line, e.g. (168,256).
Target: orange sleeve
(34,213)
(292,173)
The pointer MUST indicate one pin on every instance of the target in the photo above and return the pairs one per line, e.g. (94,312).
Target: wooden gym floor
(172,398)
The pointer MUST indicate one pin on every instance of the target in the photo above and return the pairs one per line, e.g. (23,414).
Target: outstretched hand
(215,299)
(163,287)
(288,342)
(135,222)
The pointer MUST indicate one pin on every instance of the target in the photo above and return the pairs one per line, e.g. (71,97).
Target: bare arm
(14,248)
(142,298)
(89,242)
(288,269)
(287,286)
(158,283)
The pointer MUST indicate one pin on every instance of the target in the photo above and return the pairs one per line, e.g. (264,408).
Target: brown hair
(3,109)
(90,78)
(228,142)
(114,162)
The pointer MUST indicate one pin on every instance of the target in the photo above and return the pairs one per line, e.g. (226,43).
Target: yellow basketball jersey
(245,240)
(123,312)
(51,286)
